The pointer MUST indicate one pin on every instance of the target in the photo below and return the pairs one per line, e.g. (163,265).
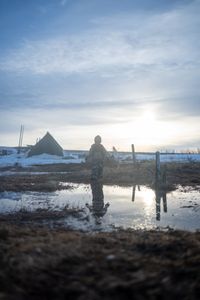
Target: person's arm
(106,154)
(90,154)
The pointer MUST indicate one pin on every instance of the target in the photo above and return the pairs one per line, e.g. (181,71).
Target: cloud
(144,42)
(63,2)
(108,72)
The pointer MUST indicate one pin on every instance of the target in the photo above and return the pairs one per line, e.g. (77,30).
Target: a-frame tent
(46,145)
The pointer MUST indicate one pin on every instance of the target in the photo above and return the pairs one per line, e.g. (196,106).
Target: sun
(148,116)
(146,130)
(146,125)
(140,130)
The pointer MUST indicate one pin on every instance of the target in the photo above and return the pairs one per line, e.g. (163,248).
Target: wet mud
(124,174)
(37,263)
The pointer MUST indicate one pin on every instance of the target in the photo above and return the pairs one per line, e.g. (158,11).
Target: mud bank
(37,263)
(142,173)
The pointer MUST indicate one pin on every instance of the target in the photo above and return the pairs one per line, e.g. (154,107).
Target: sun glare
(148,197)
(146,131)
(148,116)
(146,125)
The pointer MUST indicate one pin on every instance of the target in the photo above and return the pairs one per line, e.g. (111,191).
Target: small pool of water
(129,207)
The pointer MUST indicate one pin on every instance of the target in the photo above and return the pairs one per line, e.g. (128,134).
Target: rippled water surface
(130,207)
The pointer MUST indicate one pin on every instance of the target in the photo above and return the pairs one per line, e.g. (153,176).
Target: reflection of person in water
(160,195)
(98,208)
(96,158)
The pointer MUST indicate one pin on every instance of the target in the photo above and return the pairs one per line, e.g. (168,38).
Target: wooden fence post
(20,138)
(158,172)
(133,153)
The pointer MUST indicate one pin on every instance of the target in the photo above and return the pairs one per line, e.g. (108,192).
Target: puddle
(129,207)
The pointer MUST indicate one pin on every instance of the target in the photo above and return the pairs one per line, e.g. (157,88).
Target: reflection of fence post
(158,199)
(164,202)
(133,193)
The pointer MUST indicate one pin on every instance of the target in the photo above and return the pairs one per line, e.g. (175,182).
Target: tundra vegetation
(40,262)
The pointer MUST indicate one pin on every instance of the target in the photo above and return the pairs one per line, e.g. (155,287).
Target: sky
(126,70)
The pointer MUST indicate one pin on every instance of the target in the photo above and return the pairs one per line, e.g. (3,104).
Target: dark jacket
(97,154)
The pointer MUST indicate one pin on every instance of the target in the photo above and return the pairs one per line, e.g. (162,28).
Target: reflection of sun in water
(149,206)
(148,197)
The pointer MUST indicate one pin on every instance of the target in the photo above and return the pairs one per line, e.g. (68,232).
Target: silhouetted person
(96,158)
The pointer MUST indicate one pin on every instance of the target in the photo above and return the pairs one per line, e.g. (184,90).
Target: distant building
(46,145)
(6,151)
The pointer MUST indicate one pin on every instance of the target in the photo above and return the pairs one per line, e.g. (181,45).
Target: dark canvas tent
(46,145)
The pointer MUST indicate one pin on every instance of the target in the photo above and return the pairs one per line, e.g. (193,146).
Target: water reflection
(130,207)
(98,209)
(160,196)
(133,192)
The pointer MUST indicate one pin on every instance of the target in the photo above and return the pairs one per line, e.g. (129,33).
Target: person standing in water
(96,158)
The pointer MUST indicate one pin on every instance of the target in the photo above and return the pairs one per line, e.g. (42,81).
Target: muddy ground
(143,173)
(36,263)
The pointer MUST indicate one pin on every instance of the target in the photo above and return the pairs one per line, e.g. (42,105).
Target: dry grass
(40,264)
(124,174)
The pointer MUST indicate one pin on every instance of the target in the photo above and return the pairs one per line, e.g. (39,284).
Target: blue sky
(127,70)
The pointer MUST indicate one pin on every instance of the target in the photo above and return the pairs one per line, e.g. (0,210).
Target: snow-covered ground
(164,157)
(43,159)
(21,159)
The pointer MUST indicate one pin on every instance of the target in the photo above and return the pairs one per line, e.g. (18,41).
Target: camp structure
(46,145)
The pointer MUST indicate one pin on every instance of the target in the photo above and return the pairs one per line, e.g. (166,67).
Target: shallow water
(130,207)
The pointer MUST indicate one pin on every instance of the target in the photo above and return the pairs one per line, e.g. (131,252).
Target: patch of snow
(15,159)
(42,159)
